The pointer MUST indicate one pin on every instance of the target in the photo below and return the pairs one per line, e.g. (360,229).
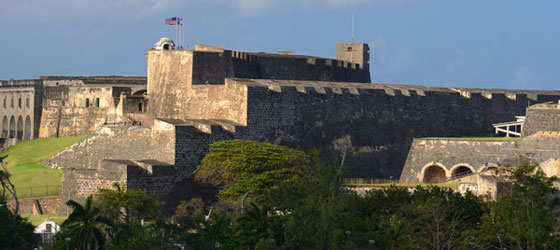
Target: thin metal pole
(352,27)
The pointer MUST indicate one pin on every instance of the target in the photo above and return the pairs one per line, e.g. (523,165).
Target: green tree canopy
(237,167)
(15,232)
(118,205)
(86,225)
(527,218)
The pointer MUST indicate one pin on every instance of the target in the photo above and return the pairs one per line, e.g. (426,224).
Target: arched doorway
(20,128)
(12,127)
(5,127)
(461,170)
(434,174)
(27,129)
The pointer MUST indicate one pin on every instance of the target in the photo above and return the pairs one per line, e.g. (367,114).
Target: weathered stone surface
(451,154)
(49,205)
(542,117)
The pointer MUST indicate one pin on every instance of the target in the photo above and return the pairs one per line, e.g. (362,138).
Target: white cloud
(388,61)
(60,9)
(42,10)
(456,64)
(524,77)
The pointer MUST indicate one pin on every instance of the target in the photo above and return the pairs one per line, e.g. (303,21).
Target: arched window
(20,128)
(12,127)
(5,127)
(27,130)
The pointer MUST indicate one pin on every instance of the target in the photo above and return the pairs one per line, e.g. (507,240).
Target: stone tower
(353,52)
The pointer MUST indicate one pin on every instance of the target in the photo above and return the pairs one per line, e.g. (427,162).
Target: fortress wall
(538,147)
(179,99)
(211,67)
(448,154)
(60,121)
(72,111)
(169,79)
(117,142)
(541,119)
(310,68)
(81,161)
(217,102)
(380,120)
(192,145)
(155,180)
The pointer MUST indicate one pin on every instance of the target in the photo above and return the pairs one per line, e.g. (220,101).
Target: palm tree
(85,223)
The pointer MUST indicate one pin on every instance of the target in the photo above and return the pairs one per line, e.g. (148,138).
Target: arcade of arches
(20,129)
(435,173)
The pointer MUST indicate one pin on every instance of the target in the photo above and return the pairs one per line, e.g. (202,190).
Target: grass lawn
(38,219)
(398,184)
(30,178)
(475,138)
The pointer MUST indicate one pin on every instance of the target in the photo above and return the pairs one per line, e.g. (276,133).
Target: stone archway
(461,170)
(140,92)
(20,128)
(5,128)
(12,133)
(27,128)
(434,174)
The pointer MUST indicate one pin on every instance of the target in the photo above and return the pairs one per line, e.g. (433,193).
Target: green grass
(38,219)
(474,138)
(398,184)
(30,178)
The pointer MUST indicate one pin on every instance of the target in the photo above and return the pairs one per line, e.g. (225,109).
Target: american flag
(174,21)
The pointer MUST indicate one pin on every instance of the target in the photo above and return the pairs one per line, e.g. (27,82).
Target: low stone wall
(448,155)
(48,205)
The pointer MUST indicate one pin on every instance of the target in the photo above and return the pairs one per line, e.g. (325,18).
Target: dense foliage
(238,167)
(315,212)
(15,232)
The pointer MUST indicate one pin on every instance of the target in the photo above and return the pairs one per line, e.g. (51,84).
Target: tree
(187,211)
(7,185)
(259,224)
(15,232)
(319,210)
(214,232)
(237,167)
(526,218)
(117,205)
(86,224)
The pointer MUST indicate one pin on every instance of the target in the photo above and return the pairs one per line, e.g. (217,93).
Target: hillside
(30,178)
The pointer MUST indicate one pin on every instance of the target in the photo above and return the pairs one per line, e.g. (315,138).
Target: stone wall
(380,120)
(49,205)
(542,117)
(117,142)
(450,154)
(71,121)
(78,110)
(19,117)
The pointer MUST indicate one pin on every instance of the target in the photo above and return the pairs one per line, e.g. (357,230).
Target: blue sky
(475,43)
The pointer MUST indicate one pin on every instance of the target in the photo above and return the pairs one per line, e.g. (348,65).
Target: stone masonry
(197,97)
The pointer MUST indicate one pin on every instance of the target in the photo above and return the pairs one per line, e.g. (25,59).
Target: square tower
(354,53)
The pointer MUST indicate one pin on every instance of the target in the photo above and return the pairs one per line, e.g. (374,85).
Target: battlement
(55,81)
(19,83)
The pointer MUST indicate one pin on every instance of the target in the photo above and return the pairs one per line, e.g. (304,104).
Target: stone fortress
(54,106)
(151,133)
